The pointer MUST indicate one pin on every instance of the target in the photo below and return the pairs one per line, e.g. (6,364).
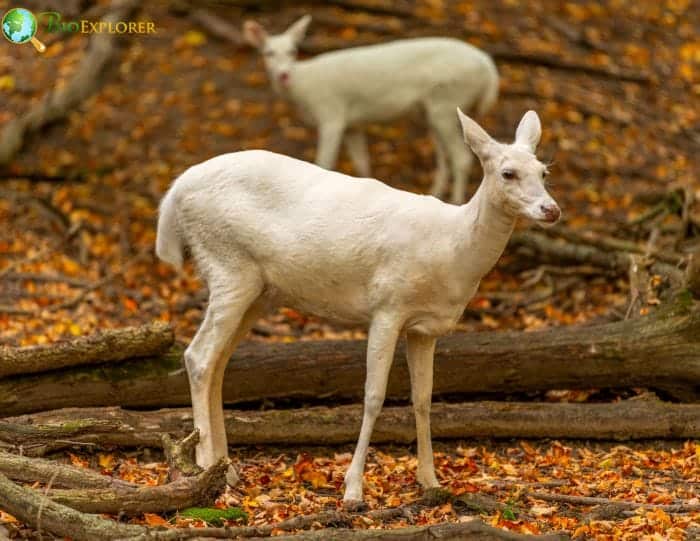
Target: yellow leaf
(607,463)
(75,329)
(509,469)
(106,461)
(70,267)
(194,38)
(574,116)
(316,478)
(7,82)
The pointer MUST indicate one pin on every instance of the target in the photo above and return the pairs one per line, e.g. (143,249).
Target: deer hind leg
(443,120)
(330,135)
(356,145)
(232,309)
(381,343)
(441,172)
(216,399)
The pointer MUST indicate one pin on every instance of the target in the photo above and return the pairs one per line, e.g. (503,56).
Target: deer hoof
(435,496)
(354,506)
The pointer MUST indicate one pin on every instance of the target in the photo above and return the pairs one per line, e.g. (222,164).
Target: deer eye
(509,174)
(545,173)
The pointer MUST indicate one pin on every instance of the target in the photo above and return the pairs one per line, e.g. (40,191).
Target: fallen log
(46,432)
(660,351)
(547,249)
(35,470)
(199,490)
(43,514)
(105,346)
(94,493)
(475,530)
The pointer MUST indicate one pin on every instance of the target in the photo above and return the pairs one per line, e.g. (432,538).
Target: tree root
(200,490)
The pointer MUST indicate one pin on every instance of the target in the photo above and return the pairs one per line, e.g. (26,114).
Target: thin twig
(590,500)
(41,506)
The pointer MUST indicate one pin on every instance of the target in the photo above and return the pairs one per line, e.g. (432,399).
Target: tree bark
(200,490)
(42,433)
(108,345)
(94,493)
(660,351)
(33,470)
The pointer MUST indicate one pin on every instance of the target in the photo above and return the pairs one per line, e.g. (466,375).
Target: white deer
(265,230)
(343,90)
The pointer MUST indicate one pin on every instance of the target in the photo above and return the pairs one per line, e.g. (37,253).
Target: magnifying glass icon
(19,26)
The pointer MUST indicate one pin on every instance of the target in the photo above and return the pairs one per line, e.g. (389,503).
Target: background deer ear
(475,136)
(298,30)
(254,34)
(529,131)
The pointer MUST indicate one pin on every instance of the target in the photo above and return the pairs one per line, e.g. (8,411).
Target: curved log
(660,351)
(31,507)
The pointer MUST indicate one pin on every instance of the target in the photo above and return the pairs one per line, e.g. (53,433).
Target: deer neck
(484,233)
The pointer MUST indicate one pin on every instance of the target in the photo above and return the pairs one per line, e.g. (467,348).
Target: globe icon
(19,26)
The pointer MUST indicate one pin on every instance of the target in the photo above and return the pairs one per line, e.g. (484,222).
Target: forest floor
(617,88)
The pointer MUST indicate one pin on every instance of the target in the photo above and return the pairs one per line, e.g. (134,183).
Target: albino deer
(343,90)
(265,229)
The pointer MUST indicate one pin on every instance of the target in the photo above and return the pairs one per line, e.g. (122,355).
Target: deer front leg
(381,343)
(330,135)
(419,352)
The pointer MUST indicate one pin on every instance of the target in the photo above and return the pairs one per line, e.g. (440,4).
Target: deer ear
(298,30)
(529,131)
(475,136)
(254,34)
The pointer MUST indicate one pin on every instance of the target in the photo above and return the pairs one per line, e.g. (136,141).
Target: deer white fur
(342,90)
(265,229)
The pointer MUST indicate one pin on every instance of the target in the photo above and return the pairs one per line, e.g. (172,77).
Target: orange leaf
(154,520)
(106,461)
(77,461)
(316,478)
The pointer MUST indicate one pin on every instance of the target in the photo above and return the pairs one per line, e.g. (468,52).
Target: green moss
(680,305)
(214,516)
(131,370)
(684,299)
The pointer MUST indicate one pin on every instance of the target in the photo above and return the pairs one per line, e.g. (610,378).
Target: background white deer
(342,90)
(265,229)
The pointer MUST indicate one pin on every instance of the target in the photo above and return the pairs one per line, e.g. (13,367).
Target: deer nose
(284,77)
(552,213)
